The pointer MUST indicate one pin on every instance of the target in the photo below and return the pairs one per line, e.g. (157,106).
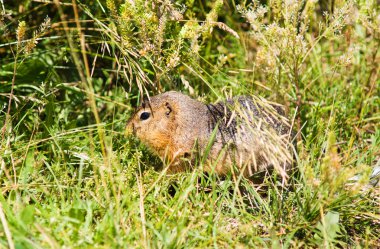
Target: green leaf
(329,226)
(27,214)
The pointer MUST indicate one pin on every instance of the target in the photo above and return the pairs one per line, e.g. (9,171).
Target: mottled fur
(249,135)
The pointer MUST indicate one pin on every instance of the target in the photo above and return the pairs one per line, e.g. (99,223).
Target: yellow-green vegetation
(71,73)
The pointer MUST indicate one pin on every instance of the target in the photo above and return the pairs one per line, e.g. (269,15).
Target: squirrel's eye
(144,116)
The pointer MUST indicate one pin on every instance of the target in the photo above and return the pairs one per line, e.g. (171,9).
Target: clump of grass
(23,46)
(155,37)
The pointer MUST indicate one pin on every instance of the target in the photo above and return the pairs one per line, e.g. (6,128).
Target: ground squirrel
(242,133)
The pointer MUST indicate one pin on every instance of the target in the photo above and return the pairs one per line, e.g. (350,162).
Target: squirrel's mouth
(130,129)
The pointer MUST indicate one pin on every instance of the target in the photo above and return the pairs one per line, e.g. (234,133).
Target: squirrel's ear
(169,108)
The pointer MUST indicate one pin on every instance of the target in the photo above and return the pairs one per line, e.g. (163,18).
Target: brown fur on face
(171,130)
(156,130)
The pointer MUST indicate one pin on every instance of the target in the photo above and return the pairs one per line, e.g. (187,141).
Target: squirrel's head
(154,121)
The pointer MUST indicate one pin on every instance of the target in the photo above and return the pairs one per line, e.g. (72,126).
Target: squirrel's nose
(130,129)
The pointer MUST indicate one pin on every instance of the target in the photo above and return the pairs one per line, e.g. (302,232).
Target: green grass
(70,178)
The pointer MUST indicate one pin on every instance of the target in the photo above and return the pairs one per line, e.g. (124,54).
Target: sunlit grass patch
(70,178)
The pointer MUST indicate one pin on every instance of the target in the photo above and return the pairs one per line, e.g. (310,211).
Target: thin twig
(142,210)
(10,96)
(6,228)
